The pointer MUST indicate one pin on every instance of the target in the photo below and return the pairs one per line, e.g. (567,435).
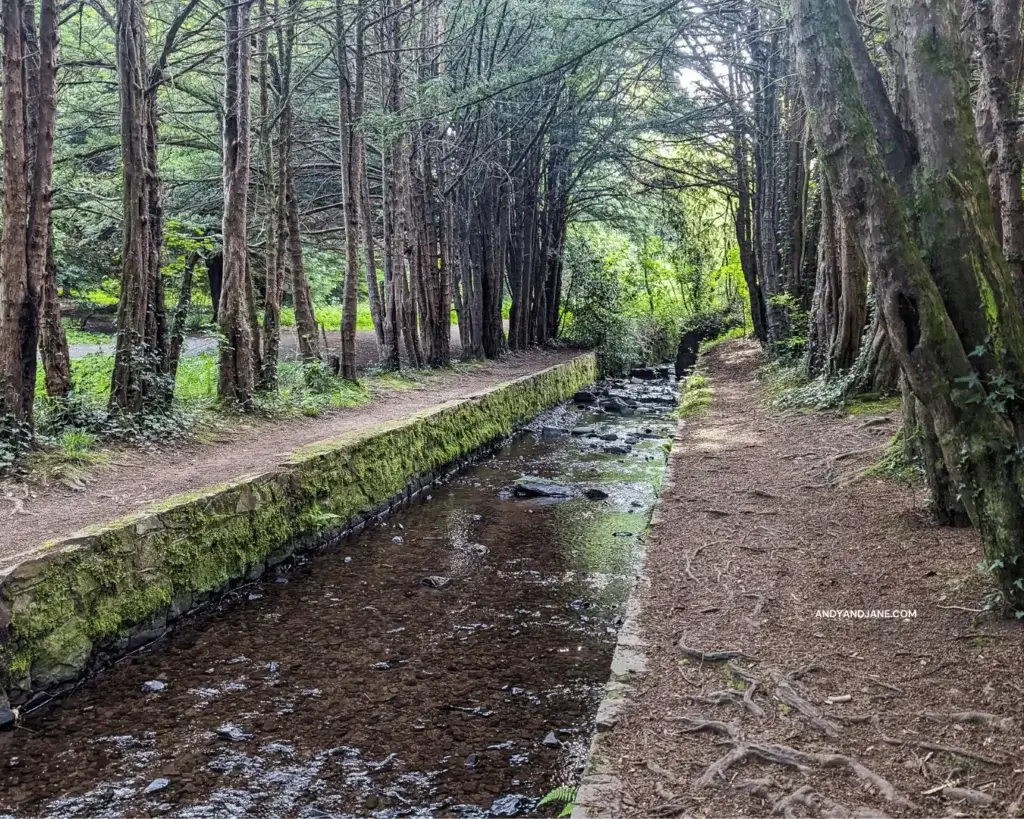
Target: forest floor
(132,478)
(751,703)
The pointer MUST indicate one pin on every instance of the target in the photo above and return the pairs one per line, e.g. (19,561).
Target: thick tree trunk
(15,296)
(938,309)
(132,360)
(177,334)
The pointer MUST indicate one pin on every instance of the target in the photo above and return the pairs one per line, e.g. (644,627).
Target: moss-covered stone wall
(111,587)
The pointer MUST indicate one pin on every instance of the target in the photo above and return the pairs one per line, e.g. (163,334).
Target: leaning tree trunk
(941,291)
(236,380)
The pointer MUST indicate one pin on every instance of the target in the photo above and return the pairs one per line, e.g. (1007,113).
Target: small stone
(595,494)
(551,740)
(153,686)
(552,432)
(471,761)
(477,518)
(617,450)
(580,431)
(348,559)
(157,785)
(280,579)
(232,732)
(584,397)
(608,436)
(511,805)
(396,539)
(436,581)
(7,718)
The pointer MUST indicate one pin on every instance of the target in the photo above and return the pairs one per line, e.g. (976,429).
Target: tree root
(944,749)
(719,656)
(801,761)
(787,695)
(968,796)
(730,696)
(972,717)
(696,726)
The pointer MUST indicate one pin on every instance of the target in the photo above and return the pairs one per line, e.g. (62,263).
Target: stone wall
(108,589)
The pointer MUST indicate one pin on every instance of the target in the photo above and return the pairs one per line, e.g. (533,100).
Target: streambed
(449,661)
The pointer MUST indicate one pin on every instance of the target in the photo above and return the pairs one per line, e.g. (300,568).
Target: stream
(448,661)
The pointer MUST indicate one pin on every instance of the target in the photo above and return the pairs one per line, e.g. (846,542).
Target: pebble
(551,740)
(157,785)
(232,732)
(153,686)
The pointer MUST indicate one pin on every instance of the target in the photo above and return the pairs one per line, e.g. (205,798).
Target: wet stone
(552,432)
(540,488)
(584,397)
(157,785)
(232,732)
(595,494)
(435,581)
(551,740)
(511,805)
(153,686)
(7,718)
(581,431)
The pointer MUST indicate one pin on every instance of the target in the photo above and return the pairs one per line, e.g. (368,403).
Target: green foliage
(629,301)
(794,320)
(894,464)
(696,396)
(564,795)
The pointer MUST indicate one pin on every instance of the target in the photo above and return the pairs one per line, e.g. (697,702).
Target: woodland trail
(30,515)
(753,705)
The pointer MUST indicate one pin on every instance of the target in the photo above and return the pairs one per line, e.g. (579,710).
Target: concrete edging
(81,600)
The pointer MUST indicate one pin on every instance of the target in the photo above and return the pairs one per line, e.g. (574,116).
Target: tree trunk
(15,297)
(349,195)
(941,291)
(236,371)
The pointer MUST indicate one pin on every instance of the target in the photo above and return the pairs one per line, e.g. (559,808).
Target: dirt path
(762,528)
(139,478)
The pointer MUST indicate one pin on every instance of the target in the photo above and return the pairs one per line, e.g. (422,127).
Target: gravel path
(755,704)
(135,478)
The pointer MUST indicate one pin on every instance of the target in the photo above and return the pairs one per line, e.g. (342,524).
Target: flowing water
(449,661)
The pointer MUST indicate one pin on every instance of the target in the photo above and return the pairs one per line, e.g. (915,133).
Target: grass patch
(729,335)
(76,336)
(873,404)
(696,396)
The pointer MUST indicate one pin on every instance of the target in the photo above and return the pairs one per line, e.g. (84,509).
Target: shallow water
(449,661)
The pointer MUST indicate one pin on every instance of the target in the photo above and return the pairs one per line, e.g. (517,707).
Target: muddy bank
(448,661)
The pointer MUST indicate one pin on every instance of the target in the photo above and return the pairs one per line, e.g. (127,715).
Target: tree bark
(927,302)
(236,380)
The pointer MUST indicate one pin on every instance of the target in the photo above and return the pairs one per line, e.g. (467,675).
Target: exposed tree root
(730,696)
(968,796)
(940,748)
(1006,724)
(786,694)
(718,656)
(696,726)
(801,761)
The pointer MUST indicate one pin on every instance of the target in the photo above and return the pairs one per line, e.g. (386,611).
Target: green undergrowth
(696,396)
(894,464)
(785,386)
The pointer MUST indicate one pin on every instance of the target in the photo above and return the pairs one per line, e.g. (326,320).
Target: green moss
(95,586)
(872,404)
(696,396)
